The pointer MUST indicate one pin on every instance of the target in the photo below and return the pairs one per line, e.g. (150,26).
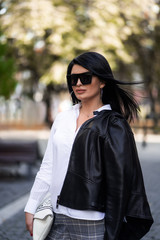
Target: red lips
(80,91)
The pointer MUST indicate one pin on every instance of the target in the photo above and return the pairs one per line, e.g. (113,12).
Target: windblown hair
(121,101)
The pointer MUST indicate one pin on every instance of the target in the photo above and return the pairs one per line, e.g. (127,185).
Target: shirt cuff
(31,206)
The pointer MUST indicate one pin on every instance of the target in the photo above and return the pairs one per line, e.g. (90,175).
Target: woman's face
(86,92)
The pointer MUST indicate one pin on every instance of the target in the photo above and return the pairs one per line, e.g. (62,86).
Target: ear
(102,85)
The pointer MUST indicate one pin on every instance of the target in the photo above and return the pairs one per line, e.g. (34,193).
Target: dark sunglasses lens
(74,80)
(86,79)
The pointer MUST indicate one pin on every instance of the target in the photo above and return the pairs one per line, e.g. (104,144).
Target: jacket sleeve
(119,157)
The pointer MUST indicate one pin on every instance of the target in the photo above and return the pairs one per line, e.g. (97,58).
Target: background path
(12,189)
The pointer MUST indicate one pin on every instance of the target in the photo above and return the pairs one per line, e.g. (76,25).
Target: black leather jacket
(104,174)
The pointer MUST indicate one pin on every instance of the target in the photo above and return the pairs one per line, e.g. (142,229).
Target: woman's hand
(29,222)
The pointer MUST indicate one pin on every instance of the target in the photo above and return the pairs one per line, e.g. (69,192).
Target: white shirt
(54,166)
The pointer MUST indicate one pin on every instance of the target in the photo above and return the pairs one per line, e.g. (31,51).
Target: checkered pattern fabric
(66,228)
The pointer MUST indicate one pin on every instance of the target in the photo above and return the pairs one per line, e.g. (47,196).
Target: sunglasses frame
(73,78)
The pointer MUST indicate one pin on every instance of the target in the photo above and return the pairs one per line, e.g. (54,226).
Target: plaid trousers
(66,228)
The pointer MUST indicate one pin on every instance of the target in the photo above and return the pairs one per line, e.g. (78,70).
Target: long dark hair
(120,100)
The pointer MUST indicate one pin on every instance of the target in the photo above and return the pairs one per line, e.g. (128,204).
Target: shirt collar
(104,107)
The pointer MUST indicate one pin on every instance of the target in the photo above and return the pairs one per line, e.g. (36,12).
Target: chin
(81,98)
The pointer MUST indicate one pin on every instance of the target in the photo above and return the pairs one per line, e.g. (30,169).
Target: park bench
(18,151)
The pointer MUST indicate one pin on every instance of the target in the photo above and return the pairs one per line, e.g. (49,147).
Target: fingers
(29,222)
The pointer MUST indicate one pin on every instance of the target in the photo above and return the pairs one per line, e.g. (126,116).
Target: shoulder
(117,120)
(66,115)
(119,129)
(112,123)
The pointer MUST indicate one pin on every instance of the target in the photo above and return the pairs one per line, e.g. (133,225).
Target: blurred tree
(131,32)
(48,33)
(142,44)
(45,34)
(7,71)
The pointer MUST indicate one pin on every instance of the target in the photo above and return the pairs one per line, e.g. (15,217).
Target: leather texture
(104,174)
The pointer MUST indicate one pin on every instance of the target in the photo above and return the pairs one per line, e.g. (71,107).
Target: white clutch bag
(43,220)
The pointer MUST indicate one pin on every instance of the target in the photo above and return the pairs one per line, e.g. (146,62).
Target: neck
(87,108)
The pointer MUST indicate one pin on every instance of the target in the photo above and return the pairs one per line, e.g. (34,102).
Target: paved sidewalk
(13,188)
(12,191)
(14,228)
(150,163)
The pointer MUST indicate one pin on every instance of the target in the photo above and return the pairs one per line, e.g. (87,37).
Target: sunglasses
(85,78)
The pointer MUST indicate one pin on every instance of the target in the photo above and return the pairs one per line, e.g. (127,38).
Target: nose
(79,82)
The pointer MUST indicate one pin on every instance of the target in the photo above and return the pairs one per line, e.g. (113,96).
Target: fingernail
(31,235)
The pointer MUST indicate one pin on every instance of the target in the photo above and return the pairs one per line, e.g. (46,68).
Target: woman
(90,166)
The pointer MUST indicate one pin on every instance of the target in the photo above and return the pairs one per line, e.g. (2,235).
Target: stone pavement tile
(151,171)
(11,188)
(15,229)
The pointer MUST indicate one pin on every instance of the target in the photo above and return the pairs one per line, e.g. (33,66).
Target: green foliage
(7,71)
(49,33)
